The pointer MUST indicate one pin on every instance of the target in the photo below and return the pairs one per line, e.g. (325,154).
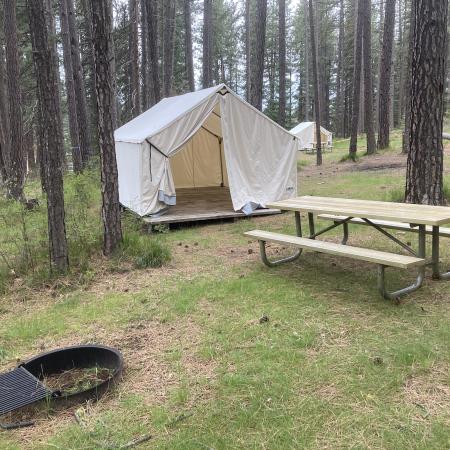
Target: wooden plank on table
(443,232)
(362,254)
(400,212)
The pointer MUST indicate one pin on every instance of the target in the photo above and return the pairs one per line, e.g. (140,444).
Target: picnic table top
(367,209)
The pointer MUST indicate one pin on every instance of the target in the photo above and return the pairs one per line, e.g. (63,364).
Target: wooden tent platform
(211,203)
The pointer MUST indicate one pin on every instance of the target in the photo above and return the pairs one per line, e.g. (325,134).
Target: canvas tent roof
(198,132)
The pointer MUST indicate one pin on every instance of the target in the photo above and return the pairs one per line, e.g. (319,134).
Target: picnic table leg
(345,238)
(296,255)
(312,231)
(437,275)
(420,276)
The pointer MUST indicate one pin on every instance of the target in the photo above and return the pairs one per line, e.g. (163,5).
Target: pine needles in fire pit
(77,380)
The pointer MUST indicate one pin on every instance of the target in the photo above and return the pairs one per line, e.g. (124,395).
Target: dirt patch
(429,393)
(388,161)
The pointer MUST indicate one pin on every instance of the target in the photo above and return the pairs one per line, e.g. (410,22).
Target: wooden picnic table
(406,213)
(421,219)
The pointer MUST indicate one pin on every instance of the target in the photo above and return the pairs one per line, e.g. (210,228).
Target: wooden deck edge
(216,215)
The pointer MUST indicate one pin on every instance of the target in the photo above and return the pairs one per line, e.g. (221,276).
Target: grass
(333,367)
(24,241)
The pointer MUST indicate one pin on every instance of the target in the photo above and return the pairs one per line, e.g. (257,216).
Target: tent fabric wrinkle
(203,139)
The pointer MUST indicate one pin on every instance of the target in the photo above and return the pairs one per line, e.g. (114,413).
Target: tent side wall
(260,156)
(129,163)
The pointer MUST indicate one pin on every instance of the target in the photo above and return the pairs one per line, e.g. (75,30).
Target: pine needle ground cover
(224,353)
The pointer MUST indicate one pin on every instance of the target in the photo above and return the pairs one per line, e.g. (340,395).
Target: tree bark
(88,66)
(153,57)
(104,75)
(428,69)
(144,56)
(316,84)
(384,101)
(282,61)
(247,50)
(189,59)
(4,124)
(407,130)
(17,161)
(80,91)
(340,74)
(168,45)
(70,89)
(207,63)
(135,86)
(46,64)
(356,81)
(257,55)
(368,83)
(307,53)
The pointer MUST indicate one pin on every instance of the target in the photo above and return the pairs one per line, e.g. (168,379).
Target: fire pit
(72,373)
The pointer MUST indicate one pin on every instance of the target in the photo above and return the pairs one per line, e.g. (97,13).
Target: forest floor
(334,366)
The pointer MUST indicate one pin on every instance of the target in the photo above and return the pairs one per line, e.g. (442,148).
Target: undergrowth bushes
(398,194)
(24,236)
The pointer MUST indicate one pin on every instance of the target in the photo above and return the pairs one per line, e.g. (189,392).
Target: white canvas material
(305,132)
(206,138)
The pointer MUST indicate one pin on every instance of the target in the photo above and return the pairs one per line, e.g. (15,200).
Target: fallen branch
(137,441)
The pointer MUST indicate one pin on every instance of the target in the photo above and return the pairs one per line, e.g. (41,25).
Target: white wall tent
(206,138)
(306,134)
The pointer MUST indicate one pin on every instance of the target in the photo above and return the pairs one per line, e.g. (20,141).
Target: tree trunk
(70,89)
(306,53)
(257,55)
(80,91)
(88,66)
(17,161)
(104,75)
(340,74)
(46,64)
(207,61)
(189,59)
(153,57)
(168,45)
(384,101)
(408,85)
(316,84)
(247,50)
(135,86)
(282,61)
(356,81)
(31,155)
(368,83)
(144,56)
(4,123)
(428,70)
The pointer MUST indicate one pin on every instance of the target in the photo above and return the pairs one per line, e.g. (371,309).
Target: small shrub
(347,157)
(396,195)
(144,251)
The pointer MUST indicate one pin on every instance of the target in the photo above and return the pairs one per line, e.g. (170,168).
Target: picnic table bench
(421,219)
